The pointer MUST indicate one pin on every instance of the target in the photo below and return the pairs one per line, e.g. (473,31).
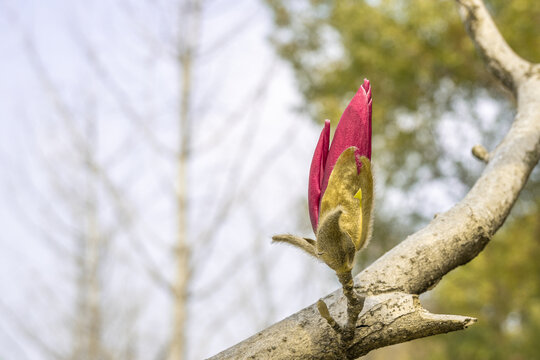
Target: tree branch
(392,312)
(500,59)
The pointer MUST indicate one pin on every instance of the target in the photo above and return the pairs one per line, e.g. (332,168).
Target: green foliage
(407,49)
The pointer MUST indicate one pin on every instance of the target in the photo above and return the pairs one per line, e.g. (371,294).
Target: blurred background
(150,149)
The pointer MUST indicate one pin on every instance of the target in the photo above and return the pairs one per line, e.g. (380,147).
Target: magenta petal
(316,175)
(354,129)
(367,87)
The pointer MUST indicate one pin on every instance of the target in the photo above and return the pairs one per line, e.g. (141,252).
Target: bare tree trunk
(88,341)
(392,311)
(93,258)
(190,11)
(92,320)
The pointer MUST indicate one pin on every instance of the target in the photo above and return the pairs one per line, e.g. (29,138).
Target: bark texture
(392,312)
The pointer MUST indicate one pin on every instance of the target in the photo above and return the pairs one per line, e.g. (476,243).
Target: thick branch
(457,236)
(500,59)
(392,313)
(397,317)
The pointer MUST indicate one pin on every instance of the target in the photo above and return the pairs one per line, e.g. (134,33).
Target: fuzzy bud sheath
(340,190)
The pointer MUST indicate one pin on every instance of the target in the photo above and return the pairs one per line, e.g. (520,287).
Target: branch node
(481,153)
(397,317)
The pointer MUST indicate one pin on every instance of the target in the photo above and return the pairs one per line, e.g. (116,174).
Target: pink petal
(354,129)
(316,175)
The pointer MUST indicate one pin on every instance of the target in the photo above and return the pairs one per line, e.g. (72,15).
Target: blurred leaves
(422,67)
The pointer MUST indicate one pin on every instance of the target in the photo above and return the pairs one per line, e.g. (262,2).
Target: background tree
(176,156)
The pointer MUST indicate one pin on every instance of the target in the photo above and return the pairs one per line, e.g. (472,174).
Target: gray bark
(392,312)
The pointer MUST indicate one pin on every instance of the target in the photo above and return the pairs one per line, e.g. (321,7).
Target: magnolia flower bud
(353,130)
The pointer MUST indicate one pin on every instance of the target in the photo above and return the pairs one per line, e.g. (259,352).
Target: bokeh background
(150,149)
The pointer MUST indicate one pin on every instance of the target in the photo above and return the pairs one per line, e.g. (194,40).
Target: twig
(355,303)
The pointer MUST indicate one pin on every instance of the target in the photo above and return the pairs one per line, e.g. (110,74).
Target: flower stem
(355,304)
